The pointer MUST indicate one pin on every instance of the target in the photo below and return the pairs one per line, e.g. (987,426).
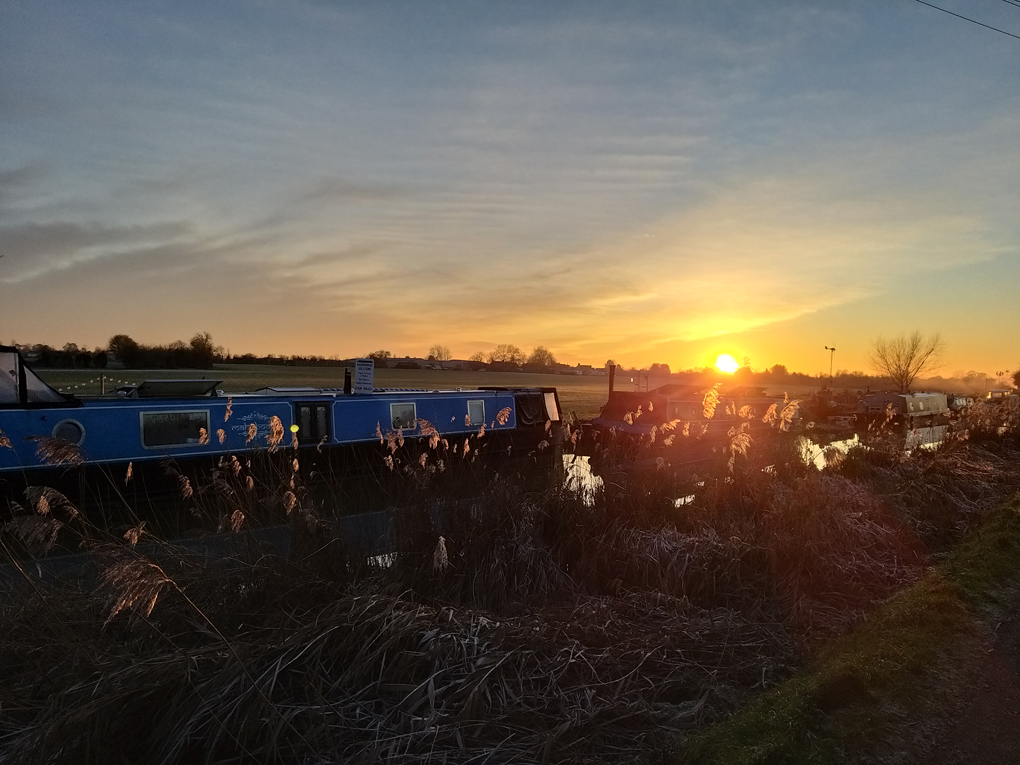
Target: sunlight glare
(726,363)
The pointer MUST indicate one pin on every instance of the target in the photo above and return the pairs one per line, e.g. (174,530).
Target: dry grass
(516,621)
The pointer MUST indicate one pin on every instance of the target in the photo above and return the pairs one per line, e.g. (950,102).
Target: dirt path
(985,726)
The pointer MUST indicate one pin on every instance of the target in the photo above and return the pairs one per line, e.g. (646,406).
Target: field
(582,395)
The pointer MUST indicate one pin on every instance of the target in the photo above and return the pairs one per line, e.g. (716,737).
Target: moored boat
(193,423)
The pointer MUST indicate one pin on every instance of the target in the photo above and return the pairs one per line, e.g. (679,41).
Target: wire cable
(972,21)
(1012,2)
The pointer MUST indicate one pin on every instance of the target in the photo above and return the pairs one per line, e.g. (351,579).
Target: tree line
(901,360)
(199,353)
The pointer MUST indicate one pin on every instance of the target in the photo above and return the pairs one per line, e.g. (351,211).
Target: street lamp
(832,352)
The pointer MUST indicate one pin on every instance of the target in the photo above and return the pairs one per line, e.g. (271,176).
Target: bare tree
(439,353)
(904,358)
(541,357)
(507,354)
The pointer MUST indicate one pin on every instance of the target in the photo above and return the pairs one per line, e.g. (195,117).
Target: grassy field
(584,396)
(581,395)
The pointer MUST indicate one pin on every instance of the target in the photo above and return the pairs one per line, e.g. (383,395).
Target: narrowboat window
(402,417)
(71,431)
(313,422)
(476,413)
(173,428)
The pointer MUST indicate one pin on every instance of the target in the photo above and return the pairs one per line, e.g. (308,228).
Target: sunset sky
(643,181)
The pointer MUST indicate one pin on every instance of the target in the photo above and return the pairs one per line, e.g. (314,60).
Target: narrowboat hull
(136,450)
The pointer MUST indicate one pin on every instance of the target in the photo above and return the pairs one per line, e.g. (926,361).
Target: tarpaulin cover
(20,385)
(530,408)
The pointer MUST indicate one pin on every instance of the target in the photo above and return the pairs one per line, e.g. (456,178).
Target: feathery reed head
(57,451)
(136,584)
(275,435)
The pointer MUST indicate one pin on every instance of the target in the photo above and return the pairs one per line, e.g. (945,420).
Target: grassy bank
(877,690)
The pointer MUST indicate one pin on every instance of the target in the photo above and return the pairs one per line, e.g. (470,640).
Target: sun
(726,363)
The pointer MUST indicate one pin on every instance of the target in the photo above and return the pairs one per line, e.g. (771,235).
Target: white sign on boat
(364,376)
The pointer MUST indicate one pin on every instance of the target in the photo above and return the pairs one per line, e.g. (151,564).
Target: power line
(972,21)
(1012,2)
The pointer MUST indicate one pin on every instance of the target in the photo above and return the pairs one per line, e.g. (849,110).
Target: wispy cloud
(603,179)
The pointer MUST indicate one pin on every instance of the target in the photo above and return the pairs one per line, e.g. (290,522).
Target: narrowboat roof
(171,388)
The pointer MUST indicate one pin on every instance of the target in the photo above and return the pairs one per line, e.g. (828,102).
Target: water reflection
(579,477)
(925,438)
(824,455)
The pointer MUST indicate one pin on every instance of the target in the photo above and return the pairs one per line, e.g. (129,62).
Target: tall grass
(515,620)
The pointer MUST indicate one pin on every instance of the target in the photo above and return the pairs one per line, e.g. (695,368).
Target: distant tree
(439,353)
(541,357)
(507,354)
(744,374)
(178,354)
(779,372)
(127,351)
(904,358)
(203,351)
(477,357)
(658,370)
(1016,378)
(610,363)
(379,355)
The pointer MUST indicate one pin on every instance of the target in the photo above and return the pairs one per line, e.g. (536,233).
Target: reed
(516,620)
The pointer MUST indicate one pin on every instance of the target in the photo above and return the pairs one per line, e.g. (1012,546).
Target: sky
(651,182)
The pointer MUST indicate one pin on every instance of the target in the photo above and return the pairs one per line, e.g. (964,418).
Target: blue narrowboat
(191,422)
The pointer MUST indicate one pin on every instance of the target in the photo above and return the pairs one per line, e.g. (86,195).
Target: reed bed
(372,677)
(520,621)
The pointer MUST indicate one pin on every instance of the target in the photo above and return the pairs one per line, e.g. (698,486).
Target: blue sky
(642,181)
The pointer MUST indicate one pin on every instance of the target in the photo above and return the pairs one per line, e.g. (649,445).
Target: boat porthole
(71,431)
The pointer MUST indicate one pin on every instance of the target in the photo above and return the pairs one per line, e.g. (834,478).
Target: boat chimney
(612,377)
(347,381)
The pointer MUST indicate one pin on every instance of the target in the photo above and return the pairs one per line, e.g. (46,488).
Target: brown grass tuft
(136,584)
(37,532)
(711,401)
(45,500)
(57,451)
(133,534)
(276,432)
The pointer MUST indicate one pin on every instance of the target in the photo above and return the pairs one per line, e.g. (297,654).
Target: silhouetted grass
(515,620)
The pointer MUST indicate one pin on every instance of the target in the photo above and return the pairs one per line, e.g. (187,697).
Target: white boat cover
(20,385)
